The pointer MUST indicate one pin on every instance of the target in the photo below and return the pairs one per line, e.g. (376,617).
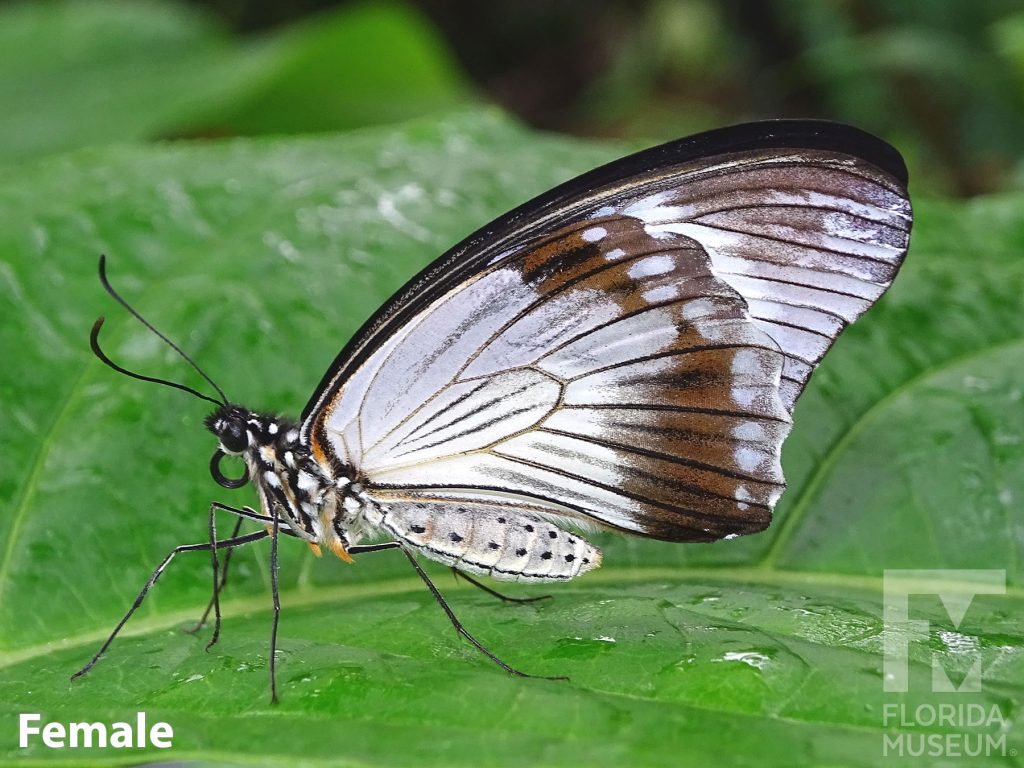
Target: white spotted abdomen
(506,545)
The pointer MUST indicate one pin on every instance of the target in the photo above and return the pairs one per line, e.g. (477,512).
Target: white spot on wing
(698,308)
(614,254)
(746,361)
(655,208)
(749,430)
(652,265)
(660,293)
(747,459)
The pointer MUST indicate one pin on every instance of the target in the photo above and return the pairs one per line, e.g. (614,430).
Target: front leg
(242,513)
(223,544)
(219,581)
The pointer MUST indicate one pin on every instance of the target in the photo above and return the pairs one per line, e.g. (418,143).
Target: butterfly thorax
(318,503)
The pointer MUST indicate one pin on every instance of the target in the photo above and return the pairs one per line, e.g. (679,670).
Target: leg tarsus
(461,629)
(216,578)
(495,593)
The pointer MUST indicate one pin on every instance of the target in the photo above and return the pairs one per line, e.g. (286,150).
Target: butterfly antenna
(95,345)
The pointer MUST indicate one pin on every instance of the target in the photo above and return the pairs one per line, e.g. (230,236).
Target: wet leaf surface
(261,258)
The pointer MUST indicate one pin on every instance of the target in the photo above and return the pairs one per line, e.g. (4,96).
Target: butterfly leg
(445,607)
(275,529)
(458,624)
(223,544)
(244,513)
(220,581)
(495,593)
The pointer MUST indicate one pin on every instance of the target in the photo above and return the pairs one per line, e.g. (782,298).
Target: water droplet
(705,597)
(958,643)
(751,658)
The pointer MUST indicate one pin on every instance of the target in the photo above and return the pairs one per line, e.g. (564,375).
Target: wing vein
(820,248)
(673,353)
(612,489)
(669,457)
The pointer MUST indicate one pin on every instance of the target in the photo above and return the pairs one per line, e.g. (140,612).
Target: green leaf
(363,65)
(261,257)
(75,74)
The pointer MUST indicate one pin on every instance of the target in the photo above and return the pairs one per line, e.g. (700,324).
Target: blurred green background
(943,80)
(908,450)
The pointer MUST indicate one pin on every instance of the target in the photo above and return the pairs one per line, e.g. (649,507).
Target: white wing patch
(807,260)
(464,417)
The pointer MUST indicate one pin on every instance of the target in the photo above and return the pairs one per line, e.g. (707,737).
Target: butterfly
(623,352)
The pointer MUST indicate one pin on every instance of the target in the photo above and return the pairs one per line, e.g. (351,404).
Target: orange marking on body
(315,547)
(339,549)
(318,451)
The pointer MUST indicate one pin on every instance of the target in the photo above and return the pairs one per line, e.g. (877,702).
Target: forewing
(844,188)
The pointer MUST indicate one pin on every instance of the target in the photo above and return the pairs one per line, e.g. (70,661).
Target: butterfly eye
(233,437)
(221,478)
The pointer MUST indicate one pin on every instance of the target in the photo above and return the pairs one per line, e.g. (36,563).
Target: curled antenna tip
(103,275)
(95,332)
(95,345)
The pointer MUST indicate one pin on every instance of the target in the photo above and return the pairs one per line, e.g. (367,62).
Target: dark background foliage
(944,78)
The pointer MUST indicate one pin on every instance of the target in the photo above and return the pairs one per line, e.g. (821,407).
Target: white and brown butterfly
(622,352)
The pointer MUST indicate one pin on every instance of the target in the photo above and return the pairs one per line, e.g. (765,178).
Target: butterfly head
(241,432)
(269,444)
(228,425)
